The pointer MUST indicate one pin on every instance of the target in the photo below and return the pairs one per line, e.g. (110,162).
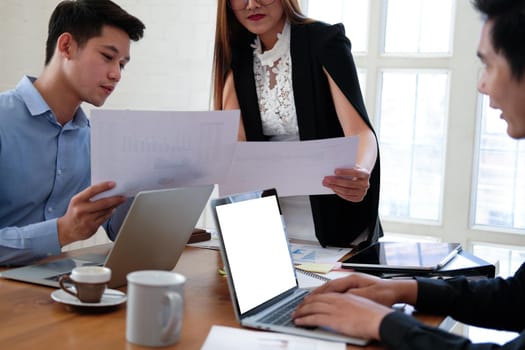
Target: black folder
(467,264)
(403,257)
(462,264)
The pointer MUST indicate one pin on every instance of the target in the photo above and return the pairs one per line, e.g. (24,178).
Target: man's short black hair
(84,19)
(508,31)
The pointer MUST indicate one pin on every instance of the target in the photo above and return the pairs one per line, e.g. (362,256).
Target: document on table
(293,168)
(221,337)
(147,150)
(314,253)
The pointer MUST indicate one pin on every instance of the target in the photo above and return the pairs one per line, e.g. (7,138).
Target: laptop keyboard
(283,316)
(57,277)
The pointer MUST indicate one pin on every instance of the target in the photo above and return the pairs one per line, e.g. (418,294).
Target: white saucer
(111,297)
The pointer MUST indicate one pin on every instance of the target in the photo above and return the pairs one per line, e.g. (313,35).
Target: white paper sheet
(229,338)
(293,168)
(147,150)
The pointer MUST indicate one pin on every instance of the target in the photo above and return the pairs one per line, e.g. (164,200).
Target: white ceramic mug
(89,281)
(155,307)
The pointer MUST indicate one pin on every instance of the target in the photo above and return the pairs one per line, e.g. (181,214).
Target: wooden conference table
(30,319)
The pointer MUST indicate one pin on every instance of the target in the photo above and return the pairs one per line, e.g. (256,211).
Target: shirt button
(59,172)
(49,210)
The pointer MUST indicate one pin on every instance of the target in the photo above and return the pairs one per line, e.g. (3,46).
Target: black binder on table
(463,264)
(466,264)
(403,257)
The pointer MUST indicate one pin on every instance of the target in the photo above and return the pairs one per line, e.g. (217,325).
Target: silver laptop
(261,275)
(152,236)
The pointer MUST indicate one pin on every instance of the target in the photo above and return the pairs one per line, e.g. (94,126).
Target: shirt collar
(279,50)
(37,106)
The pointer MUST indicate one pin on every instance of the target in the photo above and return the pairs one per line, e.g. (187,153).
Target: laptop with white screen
(152,236)
(261,275)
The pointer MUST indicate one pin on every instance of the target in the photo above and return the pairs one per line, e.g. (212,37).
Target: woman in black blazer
(294,78)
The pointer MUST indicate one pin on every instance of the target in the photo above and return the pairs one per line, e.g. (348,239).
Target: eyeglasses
(241,4)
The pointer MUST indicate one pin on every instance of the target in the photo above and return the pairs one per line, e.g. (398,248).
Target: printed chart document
(303,252)
(148,150)
(315,265)
(293,168)
(229,338)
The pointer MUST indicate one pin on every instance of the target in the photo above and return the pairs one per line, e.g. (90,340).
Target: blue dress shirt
(42,166)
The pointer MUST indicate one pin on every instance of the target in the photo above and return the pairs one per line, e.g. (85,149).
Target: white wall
(170,67)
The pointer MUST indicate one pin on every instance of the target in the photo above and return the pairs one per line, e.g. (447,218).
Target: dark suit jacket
(492,303)
(314,46)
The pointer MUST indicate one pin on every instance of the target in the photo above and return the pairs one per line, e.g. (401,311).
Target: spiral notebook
(310,280)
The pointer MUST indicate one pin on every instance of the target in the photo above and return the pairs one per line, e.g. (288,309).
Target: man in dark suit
(360,305)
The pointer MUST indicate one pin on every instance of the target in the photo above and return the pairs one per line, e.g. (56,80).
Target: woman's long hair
(229,30)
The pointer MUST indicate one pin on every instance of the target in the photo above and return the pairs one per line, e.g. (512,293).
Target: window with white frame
(412,128)
(499,193)
(449,171)
(443,173)
(419,27)
(412,103)
(352,13)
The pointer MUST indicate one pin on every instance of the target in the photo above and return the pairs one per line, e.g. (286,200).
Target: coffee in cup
(90,283)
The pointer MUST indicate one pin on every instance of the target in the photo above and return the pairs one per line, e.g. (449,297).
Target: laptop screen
(256,248)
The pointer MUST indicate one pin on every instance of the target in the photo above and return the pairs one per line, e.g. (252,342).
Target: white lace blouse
(273,80)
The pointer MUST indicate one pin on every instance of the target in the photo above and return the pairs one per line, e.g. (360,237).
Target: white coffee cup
(155,307)
(89,281)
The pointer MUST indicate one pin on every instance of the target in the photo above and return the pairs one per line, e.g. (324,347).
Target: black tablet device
(403,256)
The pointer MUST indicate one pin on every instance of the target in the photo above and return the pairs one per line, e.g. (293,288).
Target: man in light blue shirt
(45,191)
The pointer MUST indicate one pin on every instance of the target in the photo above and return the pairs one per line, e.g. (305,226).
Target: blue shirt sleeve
(22,245)
(43,164)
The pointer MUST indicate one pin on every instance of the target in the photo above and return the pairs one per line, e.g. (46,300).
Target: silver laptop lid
(156,230)
(152,236)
